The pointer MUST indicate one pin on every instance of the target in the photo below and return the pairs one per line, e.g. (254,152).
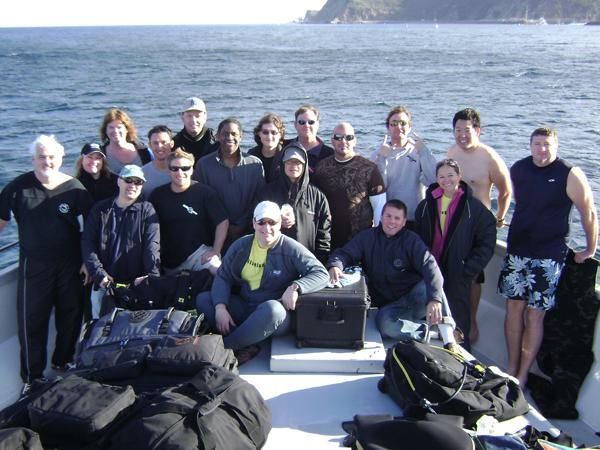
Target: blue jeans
(405,318)
(254,322)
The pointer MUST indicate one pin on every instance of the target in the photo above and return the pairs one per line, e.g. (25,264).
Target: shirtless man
(482,167)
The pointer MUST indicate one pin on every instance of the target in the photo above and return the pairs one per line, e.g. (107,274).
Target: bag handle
(164,323)
(109,323)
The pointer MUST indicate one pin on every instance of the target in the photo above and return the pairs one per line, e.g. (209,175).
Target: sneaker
(245,354)
(33,386)
(26,389)
(63,367)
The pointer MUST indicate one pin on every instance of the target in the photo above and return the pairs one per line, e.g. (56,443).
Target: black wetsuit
(49,262)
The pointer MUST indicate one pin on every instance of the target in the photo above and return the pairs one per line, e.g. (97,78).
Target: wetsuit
(49,262)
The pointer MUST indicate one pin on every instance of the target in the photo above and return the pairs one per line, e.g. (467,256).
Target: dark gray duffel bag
(19,439)
(216,409)
(78,409)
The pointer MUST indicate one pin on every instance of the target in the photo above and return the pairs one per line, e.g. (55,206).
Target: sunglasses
(304,122)
(178,168)
(262,222)
(341,137)
(135,181)
(395,123)
(271,132)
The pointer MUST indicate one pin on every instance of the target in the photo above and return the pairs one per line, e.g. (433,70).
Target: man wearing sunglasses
(306,122)
(160,141)
(193,222)
(121,239)
(406,164)
(271,270)
(353,186)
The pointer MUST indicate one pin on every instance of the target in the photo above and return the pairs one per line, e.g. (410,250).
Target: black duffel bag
(214,410)
(76,409)
(424,378)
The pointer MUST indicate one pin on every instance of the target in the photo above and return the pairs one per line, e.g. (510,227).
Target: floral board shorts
(531,280)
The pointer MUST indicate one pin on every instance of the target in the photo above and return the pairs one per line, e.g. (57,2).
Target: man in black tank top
(545,187)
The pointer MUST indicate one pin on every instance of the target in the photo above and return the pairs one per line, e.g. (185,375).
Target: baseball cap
(90,148)
(131,170)
(294,153)
(267,210)
(193,104)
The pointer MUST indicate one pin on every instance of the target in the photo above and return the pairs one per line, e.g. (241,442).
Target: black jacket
(468,247)
(311,210)
(200,146)
(102,188)
(139,237)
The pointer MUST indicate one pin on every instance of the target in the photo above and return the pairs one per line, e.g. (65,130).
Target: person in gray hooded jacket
(271,270)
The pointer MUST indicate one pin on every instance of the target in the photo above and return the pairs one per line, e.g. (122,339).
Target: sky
(40,13)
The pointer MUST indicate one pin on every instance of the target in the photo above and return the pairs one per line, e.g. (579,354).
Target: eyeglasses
(178,168)
(395,123)
(304,122)
(271,132)
(135,181)
(262,222)
(341,137)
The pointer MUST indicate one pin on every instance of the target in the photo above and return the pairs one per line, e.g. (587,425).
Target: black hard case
(333,317)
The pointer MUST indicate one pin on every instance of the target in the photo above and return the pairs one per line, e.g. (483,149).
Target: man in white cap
(121,239)
(270,269)
(195,137)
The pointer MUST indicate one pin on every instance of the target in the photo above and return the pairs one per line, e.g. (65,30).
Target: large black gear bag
(425,378)
(214,410)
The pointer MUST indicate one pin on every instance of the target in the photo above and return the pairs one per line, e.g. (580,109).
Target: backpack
(424,378)
(19,439)
(178,291)
(214,410)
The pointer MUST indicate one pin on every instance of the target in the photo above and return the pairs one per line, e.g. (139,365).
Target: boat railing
(8,246)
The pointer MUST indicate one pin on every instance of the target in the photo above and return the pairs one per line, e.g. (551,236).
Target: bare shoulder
(453,152)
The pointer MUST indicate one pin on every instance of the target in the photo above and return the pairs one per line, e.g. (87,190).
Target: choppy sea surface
(61,81)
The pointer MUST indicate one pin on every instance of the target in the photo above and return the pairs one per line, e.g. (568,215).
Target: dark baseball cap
(88,149)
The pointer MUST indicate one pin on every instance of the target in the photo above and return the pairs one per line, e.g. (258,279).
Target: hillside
(356,11)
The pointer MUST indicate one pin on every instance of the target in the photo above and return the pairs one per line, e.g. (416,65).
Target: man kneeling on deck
(404,280)
(271,270)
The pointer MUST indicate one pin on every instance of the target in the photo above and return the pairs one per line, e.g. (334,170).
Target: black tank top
(540,223)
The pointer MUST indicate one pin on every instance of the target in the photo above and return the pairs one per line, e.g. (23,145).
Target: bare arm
(220,236)
(2,224)
(500,177)
(578,190)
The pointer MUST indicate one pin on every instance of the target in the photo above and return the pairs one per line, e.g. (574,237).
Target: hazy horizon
(66,13)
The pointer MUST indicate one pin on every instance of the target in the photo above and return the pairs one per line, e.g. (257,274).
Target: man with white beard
(48,206)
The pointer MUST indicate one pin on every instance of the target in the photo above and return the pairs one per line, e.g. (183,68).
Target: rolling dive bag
(424,378)
(333,317)
(120,341)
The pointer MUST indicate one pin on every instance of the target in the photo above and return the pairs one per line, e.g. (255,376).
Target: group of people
(287,218)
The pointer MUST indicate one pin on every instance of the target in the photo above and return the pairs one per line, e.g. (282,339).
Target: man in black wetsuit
(48,206)
(195,137)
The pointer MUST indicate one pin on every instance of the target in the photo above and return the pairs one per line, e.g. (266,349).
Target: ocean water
(61,81)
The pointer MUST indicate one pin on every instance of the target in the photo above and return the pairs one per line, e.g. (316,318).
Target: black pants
(44,284)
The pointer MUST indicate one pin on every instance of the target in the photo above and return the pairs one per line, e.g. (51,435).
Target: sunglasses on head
(341,137)
(395,123)
(178,168)
(266,221)
(304,122)
(267,132)
(132,180)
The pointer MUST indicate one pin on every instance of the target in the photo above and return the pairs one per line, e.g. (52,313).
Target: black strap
(109,323)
